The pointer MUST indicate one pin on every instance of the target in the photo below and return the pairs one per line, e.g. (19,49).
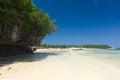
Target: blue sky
(83,21)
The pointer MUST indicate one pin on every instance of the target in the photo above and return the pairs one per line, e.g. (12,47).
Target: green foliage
(117,48)
(74,46)
(25,14)
(97,46)
(57,46)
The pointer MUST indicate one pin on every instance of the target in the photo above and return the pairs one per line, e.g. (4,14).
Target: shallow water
(108,55)
(64,65)
(104,54)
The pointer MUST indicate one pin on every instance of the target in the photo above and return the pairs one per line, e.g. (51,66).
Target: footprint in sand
(9,68)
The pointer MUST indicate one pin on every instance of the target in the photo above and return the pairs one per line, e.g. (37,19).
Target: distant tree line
(74,46)
(117,48)
(96,46)
(53,46)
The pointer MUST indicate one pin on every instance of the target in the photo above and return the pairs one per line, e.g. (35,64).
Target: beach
(62,64)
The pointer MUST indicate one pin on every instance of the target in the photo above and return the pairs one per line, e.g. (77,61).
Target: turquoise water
(105,55)
(112,56)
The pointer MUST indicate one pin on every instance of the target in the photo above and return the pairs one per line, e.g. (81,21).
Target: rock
(2,59)
(8,50)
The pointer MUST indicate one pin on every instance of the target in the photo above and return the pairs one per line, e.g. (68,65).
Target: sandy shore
(65,65)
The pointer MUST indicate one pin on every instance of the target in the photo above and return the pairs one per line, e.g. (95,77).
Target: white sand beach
(65,65)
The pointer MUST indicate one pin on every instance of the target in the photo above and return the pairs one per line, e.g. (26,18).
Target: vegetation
(58,46)
(74,46)
(22,18)
(54,46)
(117,48)
(96,46)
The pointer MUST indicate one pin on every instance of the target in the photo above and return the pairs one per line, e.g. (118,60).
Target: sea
(68,64)
(111,56)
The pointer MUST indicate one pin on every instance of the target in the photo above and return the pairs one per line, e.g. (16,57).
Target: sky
(83,21)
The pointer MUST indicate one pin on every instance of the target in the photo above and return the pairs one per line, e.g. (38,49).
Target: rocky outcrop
(17,36)
(8,50)
(15,40)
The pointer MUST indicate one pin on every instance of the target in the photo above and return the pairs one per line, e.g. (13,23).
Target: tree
(24,21)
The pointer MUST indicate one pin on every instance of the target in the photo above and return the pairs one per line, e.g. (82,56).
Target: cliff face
(22,24)
(16,41)
(9,50)
(17,36)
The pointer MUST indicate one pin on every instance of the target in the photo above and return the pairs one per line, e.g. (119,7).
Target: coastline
(63,65)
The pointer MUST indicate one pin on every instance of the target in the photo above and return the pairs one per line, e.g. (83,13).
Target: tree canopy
(74,46)
(96,46)
(25,14)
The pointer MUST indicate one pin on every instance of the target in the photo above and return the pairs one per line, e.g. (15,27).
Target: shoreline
(61,64)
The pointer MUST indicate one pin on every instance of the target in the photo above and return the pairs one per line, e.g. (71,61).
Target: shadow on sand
(26,58)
